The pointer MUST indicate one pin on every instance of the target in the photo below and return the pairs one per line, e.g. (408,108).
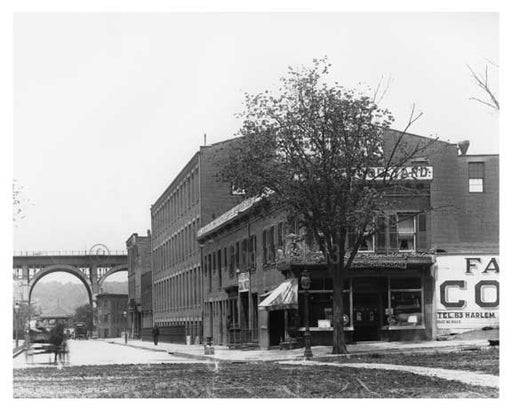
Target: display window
(405,302)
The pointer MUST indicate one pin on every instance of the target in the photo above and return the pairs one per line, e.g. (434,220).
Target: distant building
(57,315)
(194,198)
(146,304)
(110,308)
(139,261)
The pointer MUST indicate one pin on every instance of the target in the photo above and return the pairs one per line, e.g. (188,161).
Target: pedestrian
(155,332)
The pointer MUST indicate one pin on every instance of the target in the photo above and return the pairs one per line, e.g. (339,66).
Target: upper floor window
(396,232)
(476,176)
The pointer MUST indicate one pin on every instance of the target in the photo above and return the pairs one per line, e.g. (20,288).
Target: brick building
(111,319)
(251,272)
(194,198)
(146,304)
(139,261)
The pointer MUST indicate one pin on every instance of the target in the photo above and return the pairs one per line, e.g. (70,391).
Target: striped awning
(282,297)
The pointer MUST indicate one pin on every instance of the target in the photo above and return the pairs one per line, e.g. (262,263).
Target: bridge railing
(68,253)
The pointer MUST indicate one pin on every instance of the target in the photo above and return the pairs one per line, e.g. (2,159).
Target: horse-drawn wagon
(46,340)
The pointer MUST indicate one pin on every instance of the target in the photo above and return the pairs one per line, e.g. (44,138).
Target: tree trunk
(338,335)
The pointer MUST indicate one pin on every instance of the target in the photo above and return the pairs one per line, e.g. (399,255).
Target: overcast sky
(109,107)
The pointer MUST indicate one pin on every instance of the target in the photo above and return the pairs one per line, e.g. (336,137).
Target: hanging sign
(243,282)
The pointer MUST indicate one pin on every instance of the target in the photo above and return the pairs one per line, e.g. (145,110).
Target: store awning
(282,297)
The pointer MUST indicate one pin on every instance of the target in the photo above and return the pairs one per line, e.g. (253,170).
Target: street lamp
(125,333)
(16,310)
(305,282)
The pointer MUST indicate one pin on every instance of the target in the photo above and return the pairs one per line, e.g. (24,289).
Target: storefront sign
(418,173)
(468,292)
(243,282)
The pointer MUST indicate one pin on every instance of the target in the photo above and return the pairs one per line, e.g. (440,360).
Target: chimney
(463,147)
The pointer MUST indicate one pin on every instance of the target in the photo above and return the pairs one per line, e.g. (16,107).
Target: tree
(327,155)
(482,81)
(21,318)
(84,314)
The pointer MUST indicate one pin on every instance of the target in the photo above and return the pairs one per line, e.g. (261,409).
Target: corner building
(253,259)
(194,198)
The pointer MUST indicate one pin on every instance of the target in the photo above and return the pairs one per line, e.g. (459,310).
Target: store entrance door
(276,327)
(366,316)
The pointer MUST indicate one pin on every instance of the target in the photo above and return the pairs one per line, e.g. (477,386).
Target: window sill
(419,327)
(322,329)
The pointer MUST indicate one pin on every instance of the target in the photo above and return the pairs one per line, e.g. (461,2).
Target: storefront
(379,304)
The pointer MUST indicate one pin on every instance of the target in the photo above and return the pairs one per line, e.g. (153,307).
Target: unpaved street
(100,352)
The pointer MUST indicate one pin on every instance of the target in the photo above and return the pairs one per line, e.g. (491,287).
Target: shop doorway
(366,316)
(276,327)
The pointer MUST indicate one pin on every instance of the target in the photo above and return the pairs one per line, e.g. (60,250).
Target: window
(396,232)
(406,232)
(280,235)
(209,267)
(476,176)
(244,254)
(406,307)
(219,267)
(237,255)
(252,251)
(366,244)
(231,261)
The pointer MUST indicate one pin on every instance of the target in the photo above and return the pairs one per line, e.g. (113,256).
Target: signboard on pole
(467,292)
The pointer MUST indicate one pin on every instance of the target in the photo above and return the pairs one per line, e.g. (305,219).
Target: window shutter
(393,233)
(422,237)
(380,237)
(264,240)
(272,252)
(351,238)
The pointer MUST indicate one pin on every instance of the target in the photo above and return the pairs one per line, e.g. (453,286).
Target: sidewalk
(358,349)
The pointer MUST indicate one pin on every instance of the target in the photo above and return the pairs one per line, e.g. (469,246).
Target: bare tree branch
(482,81)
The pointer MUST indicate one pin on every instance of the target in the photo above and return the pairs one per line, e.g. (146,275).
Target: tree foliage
(326,153)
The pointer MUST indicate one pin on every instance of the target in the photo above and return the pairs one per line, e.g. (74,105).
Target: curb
(395,351)
(410,351)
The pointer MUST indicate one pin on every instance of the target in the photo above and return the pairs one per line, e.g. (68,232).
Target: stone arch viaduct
(92,269)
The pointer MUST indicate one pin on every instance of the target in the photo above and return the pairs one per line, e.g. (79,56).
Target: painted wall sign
(468,292)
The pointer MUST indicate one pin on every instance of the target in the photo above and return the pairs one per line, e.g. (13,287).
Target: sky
(109,107)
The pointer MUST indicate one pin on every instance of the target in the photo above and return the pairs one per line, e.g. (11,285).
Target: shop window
(476,176)
(406,304)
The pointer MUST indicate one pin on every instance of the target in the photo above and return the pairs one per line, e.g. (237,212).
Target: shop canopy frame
(283,297)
